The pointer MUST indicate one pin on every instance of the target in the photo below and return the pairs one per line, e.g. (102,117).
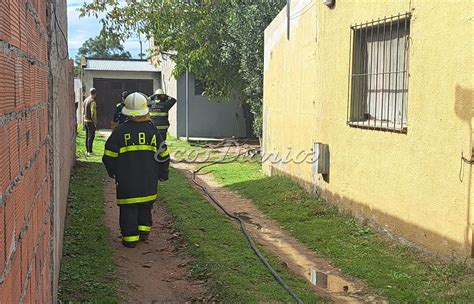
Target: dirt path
(326,279)
(156,270)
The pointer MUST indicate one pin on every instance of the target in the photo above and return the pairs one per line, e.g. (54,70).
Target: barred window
(199,87)
(378,77)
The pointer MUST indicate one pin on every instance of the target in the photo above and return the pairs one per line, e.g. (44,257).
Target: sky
(81,29)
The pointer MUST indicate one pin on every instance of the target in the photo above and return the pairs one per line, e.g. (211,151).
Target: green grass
(220,251)
(87,269)
(392,270)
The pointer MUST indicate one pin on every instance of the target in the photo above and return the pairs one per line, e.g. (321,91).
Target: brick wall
(28,148)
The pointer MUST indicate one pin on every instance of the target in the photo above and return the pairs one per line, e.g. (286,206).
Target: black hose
(247,235)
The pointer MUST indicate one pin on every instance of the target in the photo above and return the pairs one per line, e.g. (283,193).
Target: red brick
(30,241)
(48,297)
(2,239)
(26,68)
(15,272)
(33,281)
(35,129)
(39,289)
(36,178)
(9,225)
(19,81)
(4,160)
(28,136)
(26,148)
(7,89)
(14,15)
(23,28)
(47,233)
(27,297)
(43,85)
(23,252)
(23,201)
(33,229)
(43,289)
(13,145)
(38,220)
(6,290)
(37,268)
(20,212)
(22,152)
(4,21)
(46,282)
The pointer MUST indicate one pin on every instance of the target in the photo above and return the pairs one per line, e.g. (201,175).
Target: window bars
(199,87)
(378,75)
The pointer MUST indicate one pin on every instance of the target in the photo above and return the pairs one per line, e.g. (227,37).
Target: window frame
(199,84)
(360,77)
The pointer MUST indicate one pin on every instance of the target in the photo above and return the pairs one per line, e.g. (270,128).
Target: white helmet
(136,104)
(159,92)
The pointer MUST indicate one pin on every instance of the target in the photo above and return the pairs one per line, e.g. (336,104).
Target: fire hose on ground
(254,248)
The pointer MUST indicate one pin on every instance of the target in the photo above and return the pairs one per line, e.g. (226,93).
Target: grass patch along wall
(392,270)
(87,269)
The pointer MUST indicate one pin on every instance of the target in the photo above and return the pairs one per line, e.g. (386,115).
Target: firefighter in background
(90,119)
(160,104)
(119,117)
(135,155)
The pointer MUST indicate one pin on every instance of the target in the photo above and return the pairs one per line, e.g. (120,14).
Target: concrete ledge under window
(378,125)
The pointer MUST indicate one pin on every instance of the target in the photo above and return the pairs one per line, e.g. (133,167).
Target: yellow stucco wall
(413,184)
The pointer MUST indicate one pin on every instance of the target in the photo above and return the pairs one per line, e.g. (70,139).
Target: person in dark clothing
(160,104)
(118,116)
(90,119)
(136,156)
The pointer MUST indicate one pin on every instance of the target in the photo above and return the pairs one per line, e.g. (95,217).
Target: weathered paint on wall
(170,86)
(63,132)
(412,184)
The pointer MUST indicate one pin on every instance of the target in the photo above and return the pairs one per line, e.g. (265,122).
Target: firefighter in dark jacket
(135,155)
(160,104)
(119,117)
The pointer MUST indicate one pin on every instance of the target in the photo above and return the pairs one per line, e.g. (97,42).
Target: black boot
(144,236)
(129,244)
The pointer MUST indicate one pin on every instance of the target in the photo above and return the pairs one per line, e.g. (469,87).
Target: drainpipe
(187,104)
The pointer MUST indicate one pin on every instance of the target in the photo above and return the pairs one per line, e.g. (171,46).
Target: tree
(220,41)
(102,46)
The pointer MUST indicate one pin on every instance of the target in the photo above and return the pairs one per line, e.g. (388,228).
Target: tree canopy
(102,46)
(220,41)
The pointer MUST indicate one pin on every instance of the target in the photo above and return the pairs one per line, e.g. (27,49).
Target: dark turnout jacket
(137,158)
(118,116)
(159,109)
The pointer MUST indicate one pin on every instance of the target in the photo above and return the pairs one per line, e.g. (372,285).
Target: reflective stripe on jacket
(135,155)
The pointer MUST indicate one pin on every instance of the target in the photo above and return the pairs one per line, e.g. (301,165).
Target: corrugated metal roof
(120,65)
